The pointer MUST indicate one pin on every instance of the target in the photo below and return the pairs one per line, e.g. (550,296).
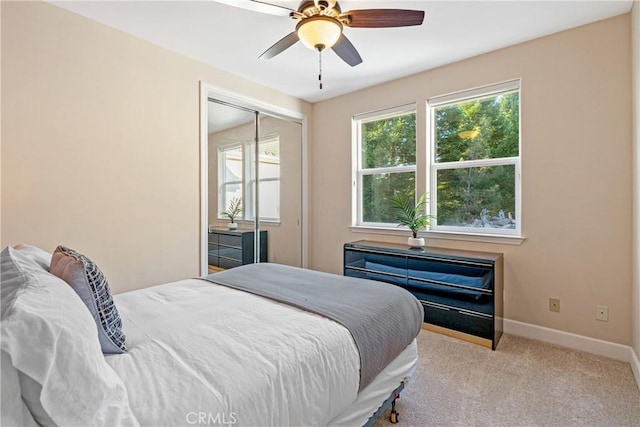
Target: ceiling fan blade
(346,51)
(258,6)
(383,18)
(280,46)
(264,5)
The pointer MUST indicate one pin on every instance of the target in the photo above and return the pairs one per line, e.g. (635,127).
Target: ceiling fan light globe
(319,30)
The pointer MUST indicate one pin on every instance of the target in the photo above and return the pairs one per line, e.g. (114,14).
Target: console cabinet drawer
(459,290)
(464,321)
(231,240)
(231,248)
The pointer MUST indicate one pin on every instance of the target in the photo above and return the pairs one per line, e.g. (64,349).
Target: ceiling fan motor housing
(309,8)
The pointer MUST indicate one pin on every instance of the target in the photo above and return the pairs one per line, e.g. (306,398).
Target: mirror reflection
(234,167)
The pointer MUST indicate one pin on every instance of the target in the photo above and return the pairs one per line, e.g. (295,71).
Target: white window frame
(359,172)
(434,167)
(247,180)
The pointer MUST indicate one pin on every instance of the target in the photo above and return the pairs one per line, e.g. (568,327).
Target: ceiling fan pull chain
(320,67)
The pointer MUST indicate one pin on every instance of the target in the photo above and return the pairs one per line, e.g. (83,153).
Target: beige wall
(576,167)
(635,24)
(0,125)
(100,143)
(285,237)
(100,151)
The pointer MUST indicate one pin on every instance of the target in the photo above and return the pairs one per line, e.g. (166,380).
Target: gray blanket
(382,318)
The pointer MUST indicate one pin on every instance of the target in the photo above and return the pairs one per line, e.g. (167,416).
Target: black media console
(459,290)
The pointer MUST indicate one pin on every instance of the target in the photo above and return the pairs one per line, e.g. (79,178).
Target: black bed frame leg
(393,417)
(391,400)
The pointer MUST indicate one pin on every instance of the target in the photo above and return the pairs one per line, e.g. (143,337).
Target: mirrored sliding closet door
(254,171)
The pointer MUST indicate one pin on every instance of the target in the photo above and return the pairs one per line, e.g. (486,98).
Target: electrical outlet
(554,305)
(602,313)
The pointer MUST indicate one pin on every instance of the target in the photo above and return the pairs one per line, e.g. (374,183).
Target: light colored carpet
(522,383)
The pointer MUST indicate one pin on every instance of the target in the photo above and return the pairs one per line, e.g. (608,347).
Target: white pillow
(35,254)
(50,336)
(14,411)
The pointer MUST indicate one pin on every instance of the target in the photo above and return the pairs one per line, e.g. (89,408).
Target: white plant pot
(233,226)
(415,242)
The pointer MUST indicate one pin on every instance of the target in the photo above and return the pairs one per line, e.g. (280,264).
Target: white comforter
(199,353)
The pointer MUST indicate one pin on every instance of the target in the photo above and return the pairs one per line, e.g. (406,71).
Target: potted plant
(411,214)
(234,209)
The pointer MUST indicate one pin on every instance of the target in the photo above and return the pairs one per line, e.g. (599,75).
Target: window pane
(483,128)
(389,142)
(230,191)
(482,197)
(269,165)
(230,176)
(376,189)
(232,164)
(270,199)
(269,158)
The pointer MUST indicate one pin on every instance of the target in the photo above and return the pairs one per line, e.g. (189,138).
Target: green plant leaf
(234,209)
(410,213)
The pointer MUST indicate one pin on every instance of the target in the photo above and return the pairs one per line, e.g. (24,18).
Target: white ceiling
(231,38)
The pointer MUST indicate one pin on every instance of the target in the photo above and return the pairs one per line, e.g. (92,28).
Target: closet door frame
(211,91)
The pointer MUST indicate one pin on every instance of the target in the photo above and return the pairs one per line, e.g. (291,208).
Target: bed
(200,352)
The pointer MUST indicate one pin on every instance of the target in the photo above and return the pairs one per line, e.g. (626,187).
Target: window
(386,162)
(469,163)
(236,177)
(475,160)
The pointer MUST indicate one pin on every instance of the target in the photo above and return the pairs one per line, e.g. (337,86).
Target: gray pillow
(90,284)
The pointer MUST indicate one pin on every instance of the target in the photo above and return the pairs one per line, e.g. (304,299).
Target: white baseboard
(596,346)
(635,366)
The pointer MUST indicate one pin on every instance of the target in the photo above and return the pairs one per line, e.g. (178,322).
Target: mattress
(239,358)
(370,398)
(382,313)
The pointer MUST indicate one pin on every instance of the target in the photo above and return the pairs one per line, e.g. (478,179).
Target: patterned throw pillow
(90,284)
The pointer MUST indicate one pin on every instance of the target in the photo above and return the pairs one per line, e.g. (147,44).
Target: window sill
(499,239)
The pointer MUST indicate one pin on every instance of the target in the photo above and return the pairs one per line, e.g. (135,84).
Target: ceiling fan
(320,25)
